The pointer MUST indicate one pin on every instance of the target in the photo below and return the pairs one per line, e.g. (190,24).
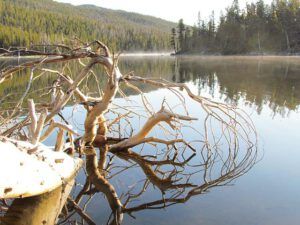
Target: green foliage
(181,36)
(173,39)
(23,22)
(258,29)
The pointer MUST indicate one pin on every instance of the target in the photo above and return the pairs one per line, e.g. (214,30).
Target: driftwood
(179,168)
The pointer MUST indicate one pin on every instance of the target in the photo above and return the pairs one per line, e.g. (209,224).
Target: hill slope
(44,21)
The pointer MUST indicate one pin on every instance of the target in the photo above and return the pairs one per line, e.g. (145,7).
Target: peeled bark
(95,125)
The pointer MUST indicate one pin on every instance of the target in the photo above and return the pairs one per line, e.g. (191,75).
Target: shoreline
(167,54)
(249,54)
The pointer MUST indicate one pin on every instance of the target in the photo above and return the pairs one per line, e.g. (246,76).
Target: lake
(266,88)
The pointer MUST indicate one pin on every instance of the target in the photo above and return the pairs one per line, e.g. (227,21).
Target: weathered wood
(38,210)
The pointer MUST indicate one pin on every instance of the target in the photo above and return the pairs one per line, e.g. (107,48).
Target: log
(28,170)
(38,210)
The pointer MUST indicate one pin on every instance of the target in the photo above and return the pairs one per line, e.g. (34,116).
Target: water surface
(268,89)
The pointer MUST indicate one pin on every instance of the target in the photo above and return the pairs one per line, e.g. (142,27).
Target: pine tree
(173,39)
(181,39)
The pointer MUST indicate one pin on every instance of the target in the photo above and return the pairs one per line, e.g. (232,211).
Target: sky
(171,10)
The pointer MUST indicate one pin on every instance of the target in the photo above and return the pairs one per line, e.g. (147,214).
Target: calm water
(266,88)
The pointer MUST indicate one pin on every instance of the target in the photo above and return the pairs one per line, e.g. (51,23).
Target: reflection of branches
(178,167)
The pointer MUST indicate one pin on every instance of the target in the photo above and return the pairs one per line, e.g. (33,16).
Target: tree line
(259,28)
(26,22)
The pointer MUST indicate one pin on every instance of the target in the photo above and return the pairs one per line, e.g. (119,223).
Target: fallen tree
(179,168)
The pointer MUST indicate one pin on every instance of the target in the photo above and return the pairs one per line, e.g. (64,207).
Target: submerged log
(29,170)
(38,210)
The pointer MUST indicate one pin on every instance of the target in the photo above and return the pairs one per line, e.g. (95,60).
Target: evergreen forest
(257,29)
(27,22)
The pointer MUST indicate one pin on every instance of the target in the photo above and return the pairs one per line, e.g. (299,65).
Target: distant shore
(146,54)
(166,54)
(247,54)
(127,54)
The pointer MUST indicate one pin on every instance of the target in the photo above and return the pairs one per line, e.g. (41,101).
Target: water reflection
(173,175)
(260,82)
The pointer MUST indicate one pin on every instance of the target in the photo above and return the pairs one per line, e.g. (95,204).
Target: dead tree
(179,168)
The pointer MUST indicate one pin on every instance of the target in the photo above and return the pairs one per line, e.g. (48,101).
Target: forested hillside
(23,22)
(258,29)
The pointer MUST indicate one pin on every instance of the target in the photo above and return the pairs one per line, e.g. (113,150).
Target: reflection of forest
(271,81)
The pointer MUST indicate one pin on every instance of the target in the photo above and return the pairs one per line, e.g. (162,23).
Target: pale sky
(171,10)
